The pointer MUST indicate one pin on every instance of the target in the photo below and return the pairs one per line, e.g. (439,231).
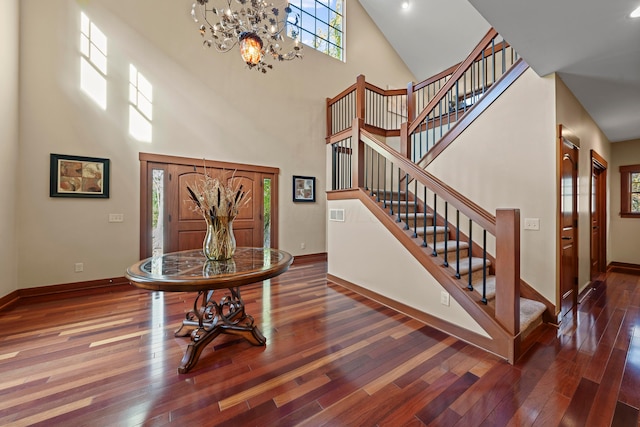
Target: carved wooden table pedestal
(190,271)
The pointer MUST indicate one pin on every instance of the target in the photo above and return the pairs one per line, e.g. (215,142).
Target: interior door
(186,226)
(598,215)
(568,226)
(595,226)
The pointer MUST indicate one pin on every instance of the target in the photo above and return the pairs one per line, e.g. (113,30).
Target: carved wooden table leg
(210,318)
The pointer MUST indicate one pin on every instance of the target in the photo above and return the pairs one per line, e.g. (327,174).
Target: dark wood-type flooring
(332,358)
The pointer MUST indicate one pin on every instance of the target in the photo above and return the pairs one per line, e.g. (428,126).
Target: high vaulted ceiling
(593,45)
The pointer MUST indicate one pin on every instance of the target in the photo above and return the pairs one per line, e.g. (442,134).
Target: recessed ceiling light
(635,13)
(405,4)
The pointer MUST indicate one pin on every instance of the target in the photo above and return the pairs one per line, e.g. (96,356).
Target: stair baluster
(469,274)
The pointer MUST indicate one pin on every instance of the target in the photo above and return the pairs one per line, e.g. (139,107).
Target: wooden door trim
(187,161)
(599,163)
(150,158)
(563,133)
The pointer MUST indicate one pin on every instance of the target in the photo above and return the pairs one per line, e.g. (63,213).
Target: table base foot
(209,319)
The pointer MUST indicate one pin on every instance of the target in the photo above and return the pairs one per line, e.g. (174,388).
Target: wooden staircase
(440,241)
(393,184)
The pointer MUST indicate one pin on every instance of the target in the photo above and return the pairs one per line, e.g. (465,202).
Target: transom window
(319,23)
(630,191)
(93,62)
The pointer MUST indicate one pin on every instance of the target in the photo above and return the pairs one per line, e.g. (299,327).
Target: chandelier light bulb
(251,48)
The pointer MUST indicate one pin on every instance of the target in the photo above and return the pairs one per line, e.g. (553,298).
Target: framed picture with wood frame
(76,176)
(304,189)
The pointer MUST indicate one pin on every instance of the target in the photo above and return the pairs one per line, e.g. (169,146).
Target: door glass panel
(266,214)
(157,212)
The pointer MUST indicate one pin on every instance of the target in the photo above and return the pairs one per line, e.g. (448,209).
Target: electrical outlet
(444,298)
(302,245)
(532,224)
(79,267)
(116,217)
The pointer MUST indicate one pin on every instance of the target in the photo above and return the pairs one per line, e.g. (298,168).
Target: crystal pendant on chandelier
(250,48)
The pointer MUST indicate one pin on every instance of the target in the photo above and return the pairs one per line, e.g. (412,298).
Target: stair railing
(384,111)
(472,78)
(359,160)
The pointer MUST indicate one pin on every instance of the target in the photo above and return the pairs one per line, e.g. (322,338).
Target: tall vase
(219,242)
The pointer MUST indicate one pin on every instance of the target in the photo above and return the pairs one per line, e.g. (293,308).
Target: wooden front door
(182,227)
(598,199)
(568,225)
(186,226)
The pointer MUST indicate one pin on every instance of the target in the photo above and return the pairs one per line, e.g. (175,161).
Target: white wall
(506,159)
(571,114)
(362,251)
(206,104)
(624,232)
(9,43)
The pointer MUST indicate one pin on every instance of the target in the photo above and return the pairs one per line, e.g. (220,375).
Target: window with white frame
(319,24)
(93,61)
(140,106)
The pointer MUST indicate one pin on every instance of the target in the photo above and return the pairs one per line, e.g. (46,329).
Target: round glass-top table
(190,271)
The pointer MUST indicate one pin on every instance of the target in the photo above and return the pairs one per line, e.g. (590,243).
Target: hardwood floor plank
(625,416)
(553,410)
(607,394)
(439,404)
(630,385)
(581,403)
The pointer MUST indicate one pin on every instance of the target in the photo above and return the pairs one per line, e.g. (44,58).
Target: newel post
(360,104)
(508,269)
(405,146)
(329,119)
(357,154)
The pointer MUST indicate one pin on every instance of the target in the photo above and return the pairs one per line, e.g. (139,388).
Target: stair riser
(420,222)
(390,194)
(476,275)
(403,208)
(430,240)
(451,257)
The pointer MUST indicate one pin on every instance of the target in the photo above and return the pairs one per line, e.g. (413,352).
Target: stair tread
(420,230)
(451,246)
(476,264)
(419,215)
(530,311)
(490,292)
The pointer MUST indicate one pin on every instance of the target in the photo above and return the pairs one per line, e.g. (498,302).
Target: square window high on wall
(630,191)
(319,24)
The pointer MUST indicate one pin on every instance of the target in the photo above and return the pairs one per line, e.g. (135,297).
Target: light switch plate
(532,224)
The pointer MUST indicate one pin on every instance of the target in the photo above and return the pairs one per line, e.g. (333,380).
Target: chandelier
(254,25)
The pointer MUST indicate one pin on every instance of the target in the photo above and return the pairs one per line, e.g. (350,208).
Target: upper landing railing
(429,108)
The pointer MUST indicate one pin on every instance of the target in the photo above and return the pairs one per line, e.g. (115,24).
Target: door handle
(566,238)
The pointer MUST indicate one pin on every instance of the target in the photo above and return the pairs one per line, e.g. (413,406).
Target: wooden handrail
(460,202)
(462,68)
(338,97)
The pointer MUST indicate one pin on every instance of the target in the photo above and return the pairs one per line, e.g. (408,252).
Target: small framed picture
(75,176)
(304,189)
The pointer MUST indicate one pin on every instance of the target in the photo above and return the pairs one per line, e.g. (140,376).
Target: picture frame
(304,188)
(78,176)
